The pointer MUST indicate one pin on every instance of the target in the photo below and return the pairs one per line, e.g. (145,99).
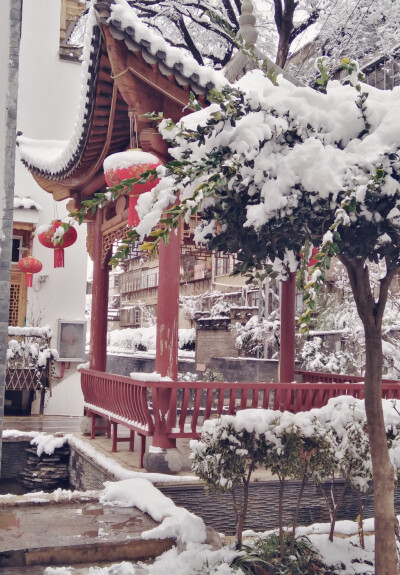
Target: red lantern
(46,235)
(30,266)
(131,164)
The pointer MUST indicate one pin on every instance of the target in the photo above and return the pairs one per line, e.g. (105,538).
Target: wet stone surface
(37,526)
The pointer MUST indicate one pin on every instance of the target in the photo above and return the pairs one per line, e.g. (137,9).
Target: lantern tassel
(133,218)
(28,279)
(59,257)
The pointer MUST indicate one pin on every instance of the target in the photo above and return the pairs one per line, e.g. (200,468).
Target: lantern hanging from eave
(50,239)
(132,163)
(29,266)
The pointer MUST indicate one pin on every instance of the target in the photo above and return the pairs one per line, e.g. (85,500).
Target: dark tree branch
(231,12)
(299,28)
(189,41)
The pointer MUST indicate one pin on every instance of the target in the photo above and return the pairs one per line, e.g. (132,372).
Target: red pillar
(288,319)
(168,307)
(98,323)
(167,329)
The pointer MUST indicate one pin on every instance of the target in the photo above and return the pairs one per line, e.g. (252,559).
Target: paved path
(126,458)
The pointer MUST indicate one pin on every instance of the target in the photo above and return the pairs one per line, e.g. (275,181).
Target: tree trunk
(281,532)
(284,24)
(382,469)
(371,312)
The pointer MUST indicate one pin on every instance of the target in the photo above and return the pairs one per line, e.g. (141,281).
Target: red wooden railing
(137,405)
(319,377)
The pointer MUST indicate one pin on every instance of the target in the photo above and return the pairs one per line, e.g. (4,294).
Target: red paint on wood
(98,323)
(288,319)
(167,331)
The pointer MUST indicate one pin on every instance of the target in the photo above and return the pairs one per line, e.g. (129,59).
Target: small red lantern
(46,238)
(131,164)
(30,266)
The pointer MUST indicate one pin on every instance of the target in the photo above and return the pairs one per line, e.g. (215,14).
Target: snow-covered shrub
(257,335)
(187,339)
(131,340)
(232,447)
(227,454)
(322,444)
(315,356)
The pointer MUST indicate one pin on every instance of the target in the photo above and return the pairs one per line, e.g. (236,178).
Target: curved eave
(105,130)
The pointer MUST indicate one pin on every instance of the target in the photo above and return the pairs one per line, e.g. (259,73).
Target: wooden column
(167,329)
(288,319)
(98,324)
(168,307)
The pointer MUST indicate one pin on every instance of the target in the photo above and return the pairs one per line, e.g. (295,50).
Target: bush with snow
(318,445)
(130,340)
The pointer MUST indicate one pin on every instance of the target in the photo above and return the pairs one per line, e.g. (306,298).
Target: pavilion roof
(101,128)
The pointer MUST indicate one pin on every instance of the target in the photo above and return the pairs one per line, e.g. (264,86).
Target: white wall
(49,91)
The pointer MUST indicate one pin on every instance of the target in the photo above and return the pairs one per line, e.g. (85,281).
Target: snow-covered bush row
(317,445)
(30,331)
(144,339)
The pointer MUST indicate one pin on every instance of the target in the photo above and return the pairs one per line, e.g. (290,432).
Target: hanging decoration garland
(53,239)
(29,266)
(132,163)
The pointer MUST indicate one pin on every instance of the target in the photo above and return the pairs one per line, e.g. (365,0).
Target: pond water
(13,487)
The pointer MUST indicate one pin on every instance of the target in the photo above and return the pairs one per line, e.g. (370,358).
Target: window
(72,29)
(16,249)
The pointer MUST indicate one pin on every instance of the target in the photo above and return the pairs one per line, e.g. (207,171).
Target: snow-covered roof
(26,204)
(57,160)
(124,24)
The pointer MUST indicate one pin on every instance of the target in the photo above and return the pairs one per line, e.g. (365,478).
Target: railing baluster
(232,401)
(196,409)
(220,403)
(209,403)
(184,409)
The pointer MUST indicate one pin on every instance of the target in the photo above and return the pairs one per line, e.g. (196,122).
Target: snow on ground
(192,555)
(344,554)
(47,443)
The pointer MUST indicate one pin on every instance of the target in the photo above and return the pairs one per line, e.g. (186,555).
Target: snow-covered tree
(208,28)
(271,167)
(205,28)
(334,28)
(362,28)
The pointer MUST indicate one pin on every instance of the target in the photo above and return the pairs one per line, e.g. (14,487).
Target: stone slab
(75,532)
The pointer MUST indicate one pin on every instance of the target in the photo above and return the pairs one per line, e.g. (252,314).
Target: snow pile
(140,376)
(26,204)
(48,443)
(130,340)
(176,522)
(44,331)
